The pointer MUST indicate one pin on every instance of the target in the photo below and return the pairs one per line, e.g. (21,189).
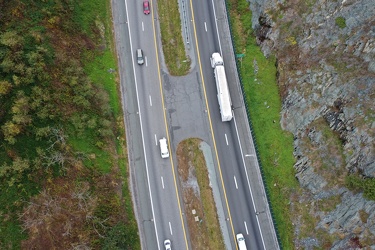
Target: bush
(367,186)
(340,21)
(121,236)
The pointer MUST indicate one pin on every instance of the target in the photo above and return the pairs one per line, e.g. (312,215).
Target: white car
(241,242)
(164,148)
(167,245)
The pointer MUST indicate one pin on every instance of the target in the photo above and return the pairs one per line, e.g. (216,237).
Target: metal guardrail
(251,128)
(185,22)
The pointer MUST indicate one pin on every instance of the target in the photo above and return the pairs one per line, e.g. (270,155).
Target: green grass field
(173,46)
(275,146)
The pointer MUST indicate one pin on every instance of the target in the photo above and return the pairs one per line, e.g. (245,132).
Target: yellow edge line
(166,127)
(209,119)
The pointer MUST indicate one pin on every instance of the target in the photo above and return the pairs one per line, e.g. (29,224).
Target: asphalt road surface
(152,178)
(157,105)
(238,194)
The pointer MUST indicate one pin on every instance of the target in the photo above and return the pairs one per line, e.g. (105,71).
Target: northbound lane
(159,214)
(232,170)
(249,214)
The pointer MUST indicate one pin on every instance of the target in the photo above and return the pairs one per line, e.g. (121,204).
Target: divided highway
(157,105)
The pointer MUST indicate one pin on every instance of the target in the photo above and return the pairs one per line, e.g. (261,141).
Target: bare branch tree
(57,136)
(55,157)
(80,246)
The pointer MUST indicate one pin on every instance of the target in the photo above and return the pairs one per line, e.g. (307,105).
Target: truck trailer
(223,95)
(241,242)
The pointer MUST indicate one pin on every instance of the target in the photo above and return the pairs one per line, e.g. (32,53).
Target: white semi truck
(223,95)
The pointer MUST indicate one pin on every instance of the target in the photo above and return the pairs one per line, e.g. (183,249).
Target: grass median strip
(178,63)
(199,204)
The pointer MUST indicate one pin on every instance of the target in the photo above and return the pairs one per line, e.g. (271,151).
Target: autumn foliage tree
(46,101)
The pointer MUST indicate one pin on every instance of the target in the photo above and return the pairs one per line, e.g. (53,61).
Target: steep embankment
(62,167)
(326,74)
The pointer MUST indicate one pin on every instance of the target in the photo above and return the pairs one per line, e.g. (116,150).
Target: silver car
(140,59)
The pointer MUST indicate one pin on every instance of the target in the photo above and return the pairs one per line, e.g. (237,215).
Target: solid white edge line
(248,182)
(142,135)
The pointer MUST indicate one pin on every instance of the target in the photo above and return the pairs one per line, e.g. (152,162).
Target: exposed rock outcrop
(325,53)
(347,217)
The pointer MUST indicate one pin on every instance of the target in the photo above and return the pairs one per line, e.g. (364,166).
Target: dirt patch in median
(198,201)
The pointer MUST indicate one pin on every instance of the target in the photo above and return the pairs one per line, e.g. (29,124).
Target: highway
(157,105)
(153,179)
(229,154)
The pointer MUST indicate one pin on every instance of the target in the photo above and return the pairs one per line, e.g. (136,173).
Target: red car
(146,7)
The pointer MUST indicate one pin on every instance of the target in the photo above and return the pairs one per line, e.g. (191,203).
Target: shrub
(367,186)
(340,21)
(121,236)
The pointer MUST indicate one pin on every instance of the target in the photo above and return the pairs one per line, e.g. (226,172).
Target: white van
(164,148)
(140,59)
(241,242)
(167,245)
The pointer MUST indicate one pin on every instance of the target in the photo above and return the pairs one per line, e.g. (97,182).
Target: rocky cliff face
(325,51)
